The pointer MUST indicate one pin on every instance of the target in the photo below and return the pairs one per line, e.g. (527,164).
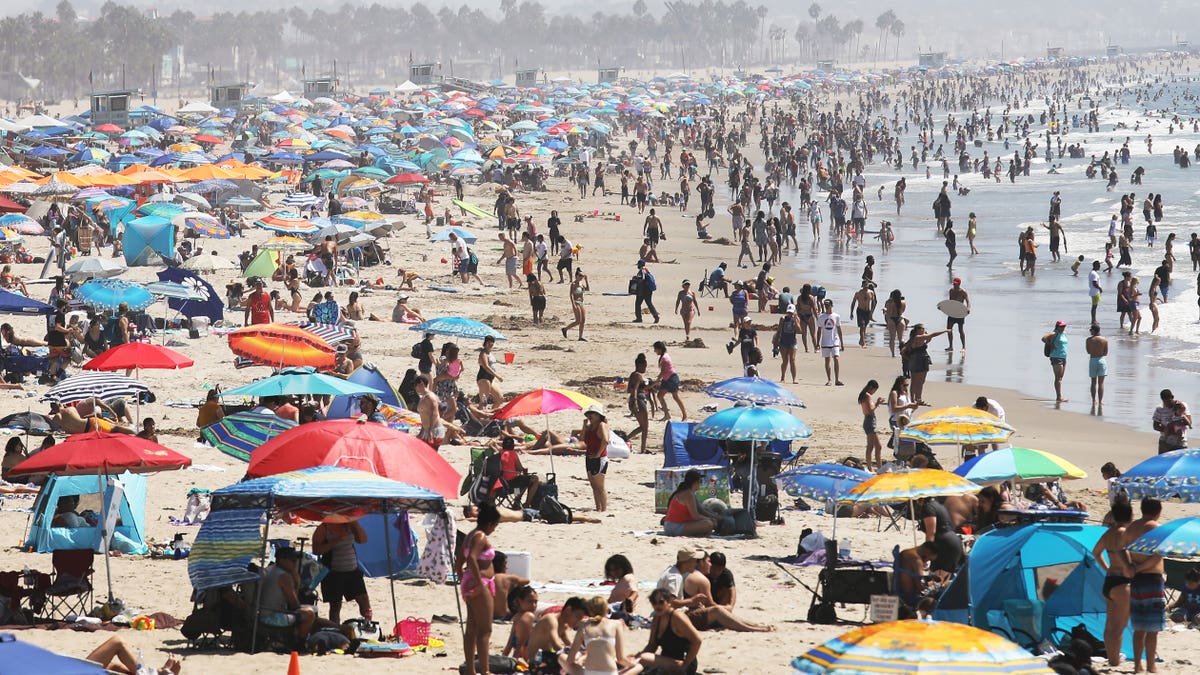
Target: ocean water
(1012,312)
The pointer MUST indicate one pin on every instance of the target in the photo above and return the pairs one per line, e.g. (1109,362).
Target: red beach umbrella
(139,355)
(361,445)
(101,453)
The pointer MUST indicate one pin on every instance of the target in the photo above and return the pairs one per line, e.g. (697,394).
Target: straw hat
(595,408)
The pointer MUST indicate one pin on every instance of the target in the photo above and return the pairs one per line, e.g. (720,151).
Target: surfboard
(953,309)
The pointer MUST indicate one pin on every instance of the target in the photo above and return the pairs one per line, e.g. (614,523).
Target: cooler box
(714,482)
(520,563)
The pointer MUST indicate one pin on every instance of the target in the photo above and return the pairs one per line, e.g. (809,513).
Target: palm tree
(852,32)
(814,10)
(803,39)
(897,30)
(884,23)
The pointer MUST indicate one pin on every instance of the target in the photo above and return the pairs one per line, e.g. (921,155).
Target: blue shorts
(1097,367)
(277,619)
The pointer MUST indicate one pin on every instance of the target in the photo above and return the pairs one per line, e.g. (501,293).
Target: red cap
(957,281)
(1061,324)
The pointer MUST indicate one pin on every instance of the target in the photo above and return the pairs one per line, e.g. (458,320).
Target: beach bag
(651,284)
(206,620)
(1048,344)
(363,630)
(496,664)
(634,285)
(416,352)
(766,508)
(325,641)
(553,512)
(548,488)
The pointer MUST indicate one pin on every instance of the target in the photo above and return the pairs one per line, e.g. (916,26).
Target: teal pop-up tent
(128,536)
(1032,584)
(147,240)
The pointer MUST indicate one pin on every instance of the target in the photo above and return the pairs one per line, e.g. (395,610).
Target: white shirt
(671,580)
(995,408)
(1093,283)
(459,249)
(828,325)
(542,251)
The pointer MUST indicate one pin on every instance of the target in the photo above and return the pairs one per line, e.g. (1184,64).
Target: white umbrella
(99,268)
(192,199)
(206,263)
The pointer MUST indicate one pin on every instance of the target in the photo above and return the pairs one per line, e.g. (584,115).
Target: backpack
(472,258)
(1048,344)
(416,352)
(651,284)
(554,512)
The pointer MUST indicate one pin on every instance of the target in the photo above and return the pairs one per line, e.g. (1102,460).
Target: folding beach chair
(70,591)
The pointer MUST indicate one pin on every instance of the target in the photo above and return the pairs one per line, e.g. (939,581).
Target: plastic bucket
(509,357)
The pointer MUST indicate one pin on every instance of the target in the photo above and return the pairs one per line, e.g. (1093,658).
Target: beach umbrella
(202,224)
(407,179)
(821,481)
(907,485)
(286,223)
(55,188)
(354,444)
(95,267)
(330,332)
(242,203)
(918,647)
(458,327)
(110,293)
(29,422)
(279,345)
(192,200)
(102,454)
(95,385)
(138,355)
(34,659)
(21,224)
(1172,476)
(543,402)
(237,435)
(13,303)
(755,390)
(301,200)
(1017,465)
(285,244)
(444,235)
(302,380)
(752,423)
(1179,538)
(207,263)
(957,426)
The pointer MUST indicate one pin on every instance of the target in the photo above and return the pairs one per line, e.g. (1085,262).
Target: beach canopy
(1017,465)
(233,534)
(13,303)
(367,374)
(209,303)
(1002,586)
(355,444)
(148,240)
(34,659)
(919,646)
(238,434)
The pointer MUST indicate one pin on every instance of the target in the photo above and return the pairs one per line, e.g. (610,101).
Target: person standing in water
(1097,349)
(1094,289)
(972,232)
(951,242)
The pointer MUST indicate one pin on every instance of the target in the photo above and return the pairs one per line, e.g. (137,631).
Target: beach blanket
(444,289)
(582,587)
(817,558)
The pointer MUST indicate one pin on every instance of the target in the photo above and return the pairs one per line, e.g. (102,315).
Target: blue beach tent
(1031,584)
(129,535)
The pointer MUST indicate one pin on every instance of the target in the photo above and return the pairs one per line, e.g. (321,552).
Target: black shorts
(538,302)
(951,322)
(520,481)
(338,586)
(564,264)
(596,466)
(863,316)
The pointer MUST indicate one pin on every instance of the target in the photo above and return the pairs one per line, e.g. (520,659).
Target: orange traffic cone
(294,665)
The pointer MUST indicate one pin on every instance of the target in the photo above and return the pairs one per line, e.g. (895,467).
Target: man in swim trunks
(69,420)
(1097,349)
(433,431)
(863,307)
(1147,590)
(1094,289)
(958,294)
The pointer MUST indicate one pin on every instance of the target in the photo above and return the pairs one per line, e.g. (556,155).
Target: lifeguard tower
(422,73)
(222,96)
(608,74)
(111,107)
(1055,53)
(319,86)
(1112,51)
(931,59)
(826,66)
(527,78)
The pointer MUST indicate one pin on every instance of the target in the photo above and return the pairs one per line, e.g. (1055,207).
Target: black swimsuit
(673,645)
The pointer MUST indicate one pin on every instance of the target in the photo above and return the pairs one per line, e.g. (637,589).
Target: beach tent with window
(129,535)
(1030,584)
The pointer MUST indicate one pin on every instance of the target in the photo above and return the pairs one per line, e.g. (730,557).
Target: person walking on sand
(508,256)
(1147,589)
(644,293)
(1055,348)
(789,327)
(1097,349)
(578,285)
(668,382)
(868,402)
(959,295)
(830,326)
(862,305)
(687,306)
(1094,289)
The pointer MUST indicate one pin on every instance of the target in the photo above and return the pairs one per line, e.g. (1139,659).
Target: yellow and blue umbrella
(1179,538)
(1018,465)
(752,423)
(1173,476)
(918,647)
(906,485)
(957,426)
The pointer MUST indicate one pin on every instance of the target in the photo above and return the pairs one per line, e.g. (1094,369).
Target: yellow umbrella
(907,485)
(957,426)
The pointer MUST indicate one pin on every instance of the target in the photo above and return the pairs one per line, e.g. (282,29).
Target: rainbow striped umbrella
(1018,465)
(918,647)
(286,223)
(237,435)
(285,244)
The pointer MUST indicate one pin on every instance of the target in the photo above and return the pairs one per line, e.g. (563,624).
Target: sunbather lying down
(551,443)
(116,656)
(523,515)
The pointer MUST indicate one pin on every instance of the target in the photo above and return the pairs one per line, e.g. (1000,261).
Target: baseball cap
(1060,324)
(957,281)
(791,309)
(686,554)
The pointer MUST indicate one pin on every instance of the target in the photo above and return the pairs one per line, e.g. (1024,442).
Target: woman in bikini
(578,286)
(475,571)
(1116,578)
(687,306)
(487,377)
(601,641)
(893,314)
(806,311)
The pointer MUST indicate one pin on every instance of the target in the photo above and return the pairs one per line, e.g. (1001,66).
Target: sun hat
(686,554)
(595,408)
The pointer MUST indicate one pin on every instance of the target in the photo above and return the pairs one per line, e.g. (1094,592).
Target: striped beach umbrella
(277,345)
(285,244)
(914,647)
(202,224)
(1018,465)
(301,200)
(286,223)
(237,435)
(907,485)
(95,384)
(329,332)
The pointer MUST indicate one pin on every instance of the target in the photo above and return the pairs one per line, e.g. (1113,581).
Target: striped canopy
(904,647)
(301,199)
(327,489)
(226,543)
(286,223)
(237,435)
(329,332)
(99,385)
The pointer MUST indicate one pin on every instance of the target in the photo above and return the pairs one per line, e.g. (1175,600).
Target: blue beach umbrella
(1179,538)
(110,293)
(13,303)
(1173,476)
(821,481)
(301,380)
(34,659)
(753,389)
(465,235)
(752,423)
(459,327)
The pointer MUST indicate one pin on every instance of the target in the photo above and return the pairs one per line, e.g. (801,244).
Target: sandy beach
(544,359)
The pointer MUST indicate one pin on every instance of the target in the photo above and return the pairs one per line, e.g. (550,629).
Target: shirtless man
(1097,349)
(962,509)
(512,217)
(705,613)
(433,431)
(863,307)
(1148,597)
(957,293)
(553,631)
(653,230)
(505,582)
(508,256)
(69,420)
(912,563)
